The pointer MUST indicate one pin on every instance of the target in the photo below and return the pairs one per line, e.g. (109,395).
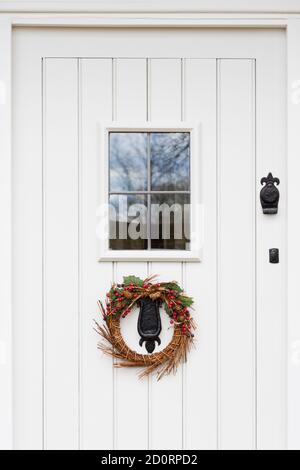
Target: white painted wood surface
(96,106)
(27,257)
(207,404)
(165,99)
(61,253)
(6,345)
(271,232)
(293,343)
(153,6)
(236,253)
(200,397)
(131,395)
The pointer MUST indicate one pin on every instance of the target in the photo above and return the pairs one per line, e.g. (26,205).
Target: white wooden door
(68,84)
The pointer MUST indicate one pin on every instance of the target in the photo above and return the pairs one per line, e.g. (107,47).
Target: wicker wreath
(121,299)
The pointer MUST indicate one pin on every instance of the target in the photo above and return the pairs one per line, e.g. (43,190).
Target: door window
(149,190)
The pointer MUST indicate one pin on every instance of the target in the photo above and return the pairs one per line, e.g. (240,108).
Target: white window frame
(194,254)
(165,13)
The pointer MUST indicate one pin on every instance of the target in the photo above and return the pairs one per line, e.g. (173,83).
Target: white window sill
(147,255)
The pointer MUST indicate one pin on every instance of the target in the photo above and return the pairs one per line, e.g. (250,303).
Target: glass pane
(128,222)
(128,161)
(170,221)
(170,161)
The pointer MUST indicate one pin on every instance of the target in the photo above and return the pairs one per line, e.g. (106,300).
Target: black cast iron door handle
(269,195)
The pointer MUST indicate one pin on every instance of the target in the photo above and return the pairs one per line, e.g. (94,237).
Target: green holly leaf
(172,286)
(186,301)
(136,281)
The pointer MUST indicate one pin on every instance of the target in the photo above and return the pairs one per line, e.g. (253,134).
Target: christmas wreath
(134,291)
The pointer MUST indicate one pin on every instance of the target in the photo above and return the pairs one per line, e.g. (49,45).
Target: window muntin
(149,190)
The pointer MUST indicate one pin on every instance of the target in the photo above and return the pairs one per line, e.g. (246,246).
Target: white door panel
(96,106)
(200,101)
(236,260)
(27,252)
(68,83)
(61,279)
(131,397)
(271,284)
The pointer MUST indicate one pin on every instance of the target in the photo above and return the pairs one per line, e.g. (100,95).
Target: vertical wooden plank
(131,393)
(271,232)
(131,428)
(6,426)
(165,90)
(165,405)
(293,39)
(200,380)
(27,251)
(95,278)
(130,86)
(61,254)
(236,231)
(166,396)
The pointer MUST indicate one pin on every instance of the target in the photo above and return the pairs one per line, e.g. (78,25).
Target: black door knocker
(269,195)
(149,323)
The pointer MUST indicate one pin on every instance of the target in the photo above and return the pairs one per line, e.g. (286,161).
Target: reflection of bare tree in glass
(128,161)
(170,171)
(170,161)
(162,222)
(121,216)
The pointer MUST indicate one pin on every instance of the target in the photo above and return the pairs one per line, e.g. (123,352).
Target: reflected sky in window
(128,161)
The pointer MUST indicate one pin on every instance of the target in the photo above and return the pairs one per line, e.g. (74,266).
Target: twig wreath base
(121,299)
